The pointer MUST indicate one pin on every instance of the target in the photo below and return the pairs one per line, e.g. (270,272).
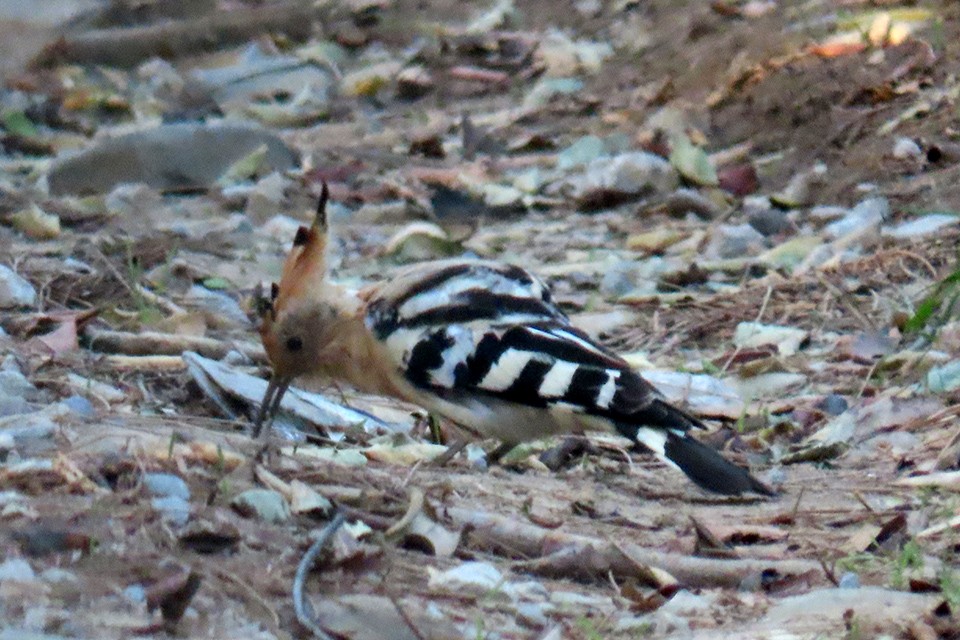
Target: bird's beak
(276,388)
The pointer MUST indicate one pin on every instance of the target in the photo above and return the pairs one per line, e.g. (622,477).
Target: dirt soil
(610,543)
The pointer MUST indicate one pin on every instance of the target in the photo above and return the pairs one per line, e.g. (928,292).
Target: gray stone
(174,509)
(164,485)
(734,241)
(80,406)
(849,580)
(769,222)
(171,156)
(15,291)
(868,214)
(17,570)
(14,383)
(532,614)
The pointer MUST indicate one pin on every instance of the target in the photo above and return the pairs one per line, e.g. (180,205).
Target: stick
(303,609)
(582,556)
(127,47)
(151,343)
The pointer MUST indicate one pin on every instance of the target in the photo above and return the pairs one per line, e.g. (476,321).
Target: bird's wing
(493,329)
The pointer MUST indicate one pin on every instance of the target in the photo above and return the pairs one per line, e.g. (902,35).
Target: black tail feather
(710,470)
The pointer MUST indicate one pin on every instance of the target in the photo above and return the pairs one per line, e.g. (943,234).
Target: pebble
(849,580)
(629,173)
(734,241)
(17,570)
(944,378)
(80,406)
(906,148)
(867,214)
(166,485)
(174,509)
(769,222)
(264,504)
(684,201)
(15,384)
(59,576)
(15,291)
(834,404)
(923,226)
(532,614)
(219,309)
(477,578)
(135,593)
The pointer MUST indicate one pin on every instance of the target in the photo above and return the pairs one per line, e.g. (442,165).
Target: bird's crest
(304,271)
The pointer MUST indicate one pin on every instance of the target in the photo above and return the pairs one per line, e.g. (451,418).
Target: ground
(755,202)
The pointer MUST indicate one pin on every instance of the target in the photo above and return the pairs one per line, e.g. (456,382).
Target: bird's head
(300,314)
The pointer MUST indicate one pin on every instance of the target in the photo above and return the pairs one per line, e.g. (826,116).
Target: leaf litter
(766,227)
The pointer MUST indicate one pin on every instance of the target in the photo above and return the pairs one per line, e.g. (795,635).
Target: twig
(583,556)
(302,608)
(414,508)
(127,47)
(151,343)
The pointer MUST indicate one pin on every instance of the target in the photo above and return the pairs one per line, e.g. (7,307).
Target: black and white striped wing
(493,329)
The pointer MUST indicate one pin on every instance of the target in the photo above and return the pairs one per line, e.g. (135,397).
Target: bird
(478,342)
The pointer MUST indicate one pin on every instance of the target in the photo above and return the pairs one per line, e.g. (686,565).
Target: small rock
(627,174)
(263,504)
(532,614)
(868,214)
(923,226)
(476,578)
(734,241)
(834,404)
(14,290)
(849,580)
(583,151)
(944,378)
(684,201)
(80,406)
(15,384)
(174,509)
(163,485)
(17,570)
(219,309)
(59,576)
(135,593)
(769,222)
(907,149)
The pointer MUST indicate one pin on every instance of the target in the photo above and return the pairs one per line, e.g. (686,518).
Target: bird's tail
(706,467)
(669,438)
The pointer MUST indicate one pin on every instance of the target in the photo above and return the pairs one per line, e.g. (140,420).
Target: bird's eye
(294,343)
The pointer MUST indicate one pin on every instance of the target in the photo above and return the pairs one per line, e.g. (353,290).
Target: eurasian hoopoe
(478,342)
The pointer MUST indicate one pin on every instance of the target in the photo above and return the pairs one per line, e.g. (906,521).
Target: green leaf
(18,124)
(216,283)
(693,163)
